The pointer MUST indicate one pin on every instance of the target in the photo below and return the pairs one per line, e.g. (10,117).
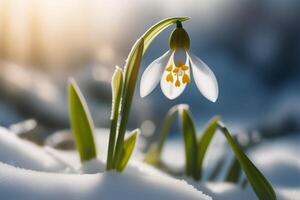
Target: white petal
(153,73)
(204,78)
(168,88)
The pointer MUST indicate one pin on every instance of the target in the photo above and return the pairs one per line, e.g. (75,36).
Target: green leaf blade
(204,141)
(217,169)
(81,123)
(190,142)
(153,154)
(116,85)
(128,148)
(259,183)
(234,172)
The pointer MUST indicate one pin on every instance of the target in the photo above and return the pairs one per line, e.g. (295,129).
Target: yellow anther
(169,68)
(184,67)
(177,83)
(176,70)
(186,78)
(179,63)
(169,78)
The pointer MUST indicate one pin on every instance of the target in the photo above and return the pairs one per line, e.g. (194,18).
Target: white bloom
(173,72)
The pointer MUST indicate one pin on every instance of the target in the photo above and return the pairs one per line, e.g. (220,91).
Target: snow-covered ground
(24,184)
(26,176)
(24,154)
(28,172)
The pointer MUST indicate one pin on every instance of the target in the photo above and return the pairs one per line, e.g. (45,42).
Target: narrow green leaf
(133,65)
(204,141)
(190,142)
(259,183)
(81,123)
(128,147)
(217,169)
(154,153)
(234,172)
(153,31)
(152,156)
(116,85)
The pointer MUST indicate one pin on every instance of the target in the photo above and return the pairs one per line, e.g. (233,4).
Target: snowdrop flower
(173,70)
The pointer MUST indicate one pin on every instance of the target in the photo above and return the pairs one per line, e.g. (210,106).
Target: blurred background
(253,47)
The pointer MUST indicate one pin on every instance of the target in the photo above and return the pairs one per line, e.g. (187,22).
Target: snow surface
(24,154)
(89,181)
(25,167)
(24,184)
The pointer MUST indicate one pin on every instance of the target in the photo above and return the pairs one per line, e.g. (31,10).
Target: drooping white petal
(169,89)
(151,76)
(204,78)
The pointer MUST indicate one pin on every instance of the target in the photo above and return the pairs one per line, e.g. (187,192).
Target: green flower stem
(153,31)
(133,66)
(131,72)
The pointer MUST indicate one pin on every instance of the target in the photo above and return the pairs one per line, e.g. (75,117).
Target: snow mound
(16,183)
(25,154)
(25,167)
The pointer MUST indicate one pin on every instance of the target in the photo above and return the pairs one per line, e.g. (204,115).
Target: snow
(24,174)
(109,185)
(24,154)
(228,191)
(25,167)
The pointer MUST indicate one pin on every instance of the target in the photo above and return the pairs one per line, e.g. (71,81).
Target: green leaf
(153,154)
(204,141)
(133,66)
(217,169)
(116,85)
(128,147)
(153,31)
(81,123)
(259,183)
(190,142)
(234,172)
